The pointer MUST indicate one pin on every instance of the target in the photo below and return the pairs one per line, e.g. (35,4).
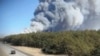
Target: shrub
(76,43)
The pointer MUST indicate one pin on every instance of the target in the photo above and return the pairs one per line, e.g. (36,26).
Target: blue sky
(15,15)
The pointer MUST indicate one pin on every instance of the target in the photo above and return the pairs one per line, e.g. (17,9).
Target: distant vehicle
(13,52)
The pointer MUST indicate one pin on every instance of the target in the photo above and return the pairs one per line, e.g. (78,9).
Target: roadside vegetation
(73,43)
(1,38)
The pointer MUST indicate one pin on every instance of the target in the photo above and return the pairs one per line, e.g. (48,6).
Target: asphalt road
(5,50)
(2,53)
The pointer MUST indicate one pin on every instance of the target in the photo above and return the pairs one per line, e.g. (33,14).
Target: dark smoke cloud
(60,15)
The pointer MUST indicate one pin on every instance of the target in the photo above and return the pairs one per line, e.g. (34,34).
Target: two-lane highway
(5,50)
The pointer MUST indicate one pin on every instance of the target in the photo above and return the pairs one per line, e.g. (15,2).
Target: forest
(73,43)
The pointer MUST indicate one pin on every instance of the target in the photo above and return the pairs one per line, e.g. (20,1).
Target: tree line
(73,43)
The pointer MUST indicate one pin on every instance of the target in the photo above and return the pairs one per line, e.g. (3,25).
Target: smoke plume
(63,15)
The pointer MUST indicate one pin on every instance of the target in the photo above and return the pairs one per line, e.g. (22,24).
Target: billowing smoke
(61,15)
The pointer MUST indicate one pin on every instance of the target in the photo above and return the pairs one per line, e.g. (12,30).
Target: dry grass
(33,51)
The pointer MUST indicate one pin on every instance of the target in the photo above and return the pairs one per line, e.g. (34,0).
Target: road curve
(5,50)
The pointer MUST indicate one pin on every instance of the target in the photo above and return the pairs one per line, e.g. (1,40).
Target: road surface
(2,53)
(5,50)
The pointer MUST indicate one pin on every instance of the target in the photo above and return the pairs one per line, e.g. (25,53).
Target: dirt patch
(33,51)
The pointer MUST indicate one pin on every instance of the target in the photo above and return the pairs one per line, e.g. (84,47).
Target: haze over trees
(76,43)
